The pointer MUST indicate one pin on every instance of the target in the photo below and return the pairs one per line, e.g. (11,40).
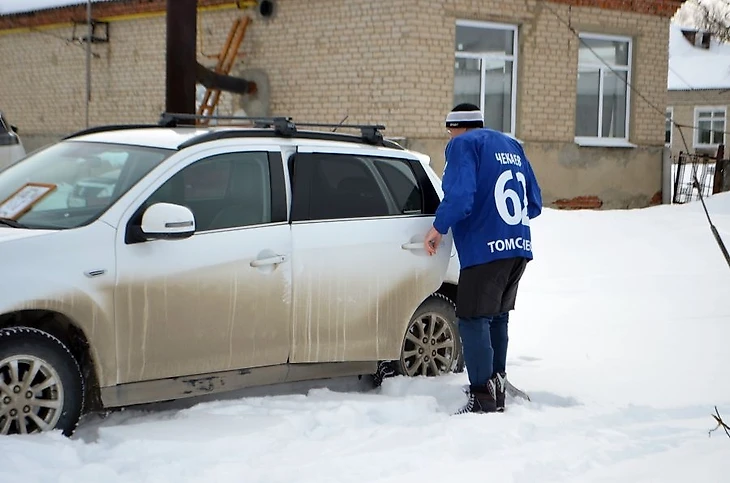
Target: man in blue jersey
(490,195)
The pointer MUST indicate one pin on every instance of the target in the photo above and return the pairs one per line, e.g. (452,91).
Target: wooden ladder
(226,59)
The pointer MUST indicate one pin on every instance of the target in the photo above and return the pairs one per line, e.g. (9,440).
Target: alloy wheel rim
(429,348)
(31,395)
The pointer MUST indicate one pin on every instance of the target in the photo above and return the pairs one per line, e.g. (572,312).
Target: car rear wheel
(431,345)
(41,386)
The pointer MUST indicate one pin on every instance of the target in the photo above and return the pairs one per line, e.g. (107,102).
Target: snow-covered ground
(620,335)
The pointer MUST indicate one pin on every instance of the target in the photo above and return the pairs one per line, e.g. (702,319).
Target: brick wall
(683,105)
(377,61)
(44,78)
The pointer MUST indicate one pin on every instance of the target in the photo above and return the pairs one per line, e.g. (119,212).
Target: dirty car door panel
(218,300)
(358,274)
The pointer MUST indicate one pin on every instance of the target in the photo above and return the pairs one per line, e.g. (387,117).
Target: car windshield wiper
(11,223)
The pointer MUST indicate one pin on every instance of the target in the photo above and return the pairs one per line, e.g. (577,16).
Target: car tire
(41,385)
(431,345)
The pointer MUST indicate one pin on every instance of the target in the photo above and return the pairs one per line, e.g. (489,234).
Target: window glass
(602,103)
(86,179)
(586,116)
(484,69)
(224,191)
(402,185)
(668,128)
(710,127)
(597,51)
(614,105)
(479,39)
(345,186)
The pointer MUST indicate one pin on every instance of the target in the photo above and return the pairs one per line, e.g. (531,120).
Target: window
(402,185)
(341,186)
(602,105)
(89,177)
(710,124)
(223,191)
(485,71)
(669,117)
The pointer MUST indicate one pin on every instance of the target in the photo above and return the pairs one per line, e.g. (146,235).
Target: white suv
(148,263)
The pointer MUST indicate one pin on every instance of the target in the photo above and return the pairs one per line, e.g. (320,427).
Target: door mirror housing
(167,221)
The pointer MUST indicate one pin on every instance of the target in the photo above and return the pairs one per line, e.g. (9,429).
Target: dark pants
(486,294)
(484,342)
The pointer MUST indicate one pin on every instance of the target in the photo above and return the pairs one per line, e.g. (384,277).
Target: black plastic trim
(8,139)
(301,180)
(278,188)
(430,198)
(111,127)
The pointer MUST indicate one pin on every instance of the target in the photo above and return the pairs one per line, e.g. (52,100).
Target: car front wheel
(431,345)
(41,386)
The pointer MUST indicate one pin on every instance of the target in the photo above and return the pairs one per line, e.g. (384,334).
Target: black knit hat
(465,115)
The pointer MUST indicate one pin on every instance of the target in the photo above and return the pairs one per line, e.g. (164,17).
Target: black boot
(499,380)
(385,370)
(481,399)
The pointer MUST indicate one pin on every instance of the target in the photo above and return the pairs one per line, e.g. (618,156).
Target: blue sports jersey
(490,195)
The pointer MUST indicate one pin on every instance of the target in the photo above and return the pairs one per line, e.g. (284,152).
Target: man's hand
(432,241)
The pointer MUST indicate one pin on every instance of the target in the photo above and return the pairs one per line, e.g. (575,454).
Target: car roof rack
(260,126)
(254,133)
(282,126)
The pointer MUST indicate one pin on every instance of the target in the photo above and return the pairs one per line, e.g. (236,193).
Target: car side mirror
(14,129)
(167,222)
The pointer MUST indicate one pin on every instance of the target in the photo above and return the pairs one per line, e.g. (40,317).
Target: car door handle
(268,261)
(412,246)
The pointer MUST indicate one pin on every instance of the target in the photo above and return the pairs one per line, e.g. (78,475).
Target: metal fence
(689,168)
(693,174)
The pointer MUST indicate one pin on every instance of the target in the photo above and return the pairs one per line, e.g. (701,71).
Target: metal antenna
(341,122)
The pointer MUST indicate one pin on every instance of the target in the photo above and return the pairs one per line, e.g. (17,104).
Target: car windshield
(70,184)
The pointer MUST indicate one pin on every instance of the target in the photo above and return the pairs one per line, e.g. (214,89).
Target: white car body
(223,301)
(452,273)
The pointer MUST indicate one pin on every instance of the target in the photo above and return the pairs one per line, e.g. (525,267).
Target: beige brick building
(699,92)
(592,140)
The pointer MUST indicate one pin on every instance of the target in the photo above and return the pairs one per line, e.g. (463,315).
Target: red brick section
(662,8)
(579,203)
(98,10)
(656,199)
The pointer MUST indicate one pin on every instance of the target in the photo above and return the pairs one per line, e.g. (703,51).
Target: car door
(360,271)
(220,299)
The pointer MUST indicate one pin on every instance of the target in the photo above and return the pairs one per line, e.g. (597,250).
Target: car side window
(339,186)
(402,185)
(223,191)
(343,186)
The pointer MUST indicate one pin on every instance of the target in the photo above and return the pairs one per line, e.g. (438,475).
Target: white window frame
(696,138)
(505,57)
(600,140)
(669,114)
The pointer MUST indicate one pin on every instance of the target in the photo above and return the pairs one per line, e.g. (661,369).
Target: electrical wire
(696,184)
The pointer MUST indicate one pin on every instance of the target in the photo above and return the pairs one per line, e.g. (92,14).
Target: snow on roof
(10,7)
(693,67)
